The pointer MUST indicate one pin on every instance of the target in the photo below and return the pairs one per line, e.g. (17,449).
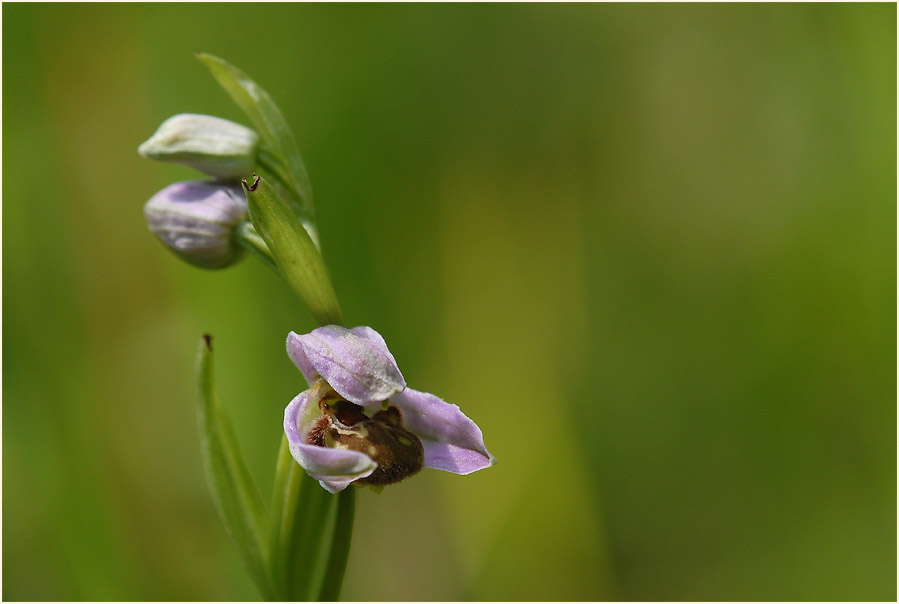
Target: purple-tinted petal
(298,356)
(454,459)
(451,440)
(355,362)
(333,468)
(364,331)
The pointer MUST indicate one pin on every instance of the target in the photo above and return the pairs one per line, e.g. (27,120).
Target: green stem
(340,546)
(249,239)
(302,526)
(285,504)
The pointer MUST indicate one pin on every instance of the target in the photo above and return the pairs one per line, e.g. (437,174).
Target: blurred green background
(649,248)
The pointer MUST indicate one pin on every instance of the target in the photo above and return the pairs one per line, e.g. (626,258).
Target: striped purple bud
(196,220)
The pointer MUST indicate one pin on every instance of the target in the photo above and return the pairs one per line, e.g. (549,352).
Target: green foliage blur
(650,249)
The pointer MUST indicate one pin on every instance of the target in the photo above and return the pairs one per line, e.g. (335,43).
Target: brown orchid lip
(343,425)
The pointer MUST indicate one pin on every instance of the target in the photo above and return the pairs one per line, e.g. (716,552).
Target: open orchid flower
(359,423)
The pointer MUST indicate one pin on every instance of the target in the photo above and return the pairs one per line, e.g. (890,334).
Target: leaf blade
(236,498)
(269,121)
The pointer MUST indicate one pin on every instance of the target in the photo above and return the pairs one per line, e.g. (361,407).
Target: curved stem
(245,234)
(340,546)
(302,523)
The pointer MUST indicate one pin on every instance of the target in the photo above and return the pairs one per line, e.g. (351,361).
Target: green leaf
(285,162)
(297,257)
(236,497)
(311,531)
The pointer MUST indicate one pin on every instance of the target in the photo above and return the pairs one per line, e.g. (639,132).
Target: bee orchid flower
(359,423)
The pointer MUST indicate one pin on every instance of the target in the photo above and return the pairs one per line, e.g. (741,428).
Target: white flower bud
(196,221)
(212,145)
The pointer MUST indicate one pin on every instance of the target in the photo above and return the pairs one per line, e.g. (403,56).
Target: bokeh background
(651,249)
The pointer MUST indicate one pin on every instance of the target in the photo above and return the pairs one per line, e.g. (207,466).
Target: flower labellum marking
(343,425)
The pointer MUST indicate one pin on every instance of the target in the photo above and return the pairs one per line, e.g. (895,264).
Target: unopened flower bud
(196,220)
(212,145)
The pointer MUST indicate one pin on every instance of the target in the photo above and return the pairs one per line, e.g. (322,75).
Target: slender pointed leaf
(236,497)
(270,123)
